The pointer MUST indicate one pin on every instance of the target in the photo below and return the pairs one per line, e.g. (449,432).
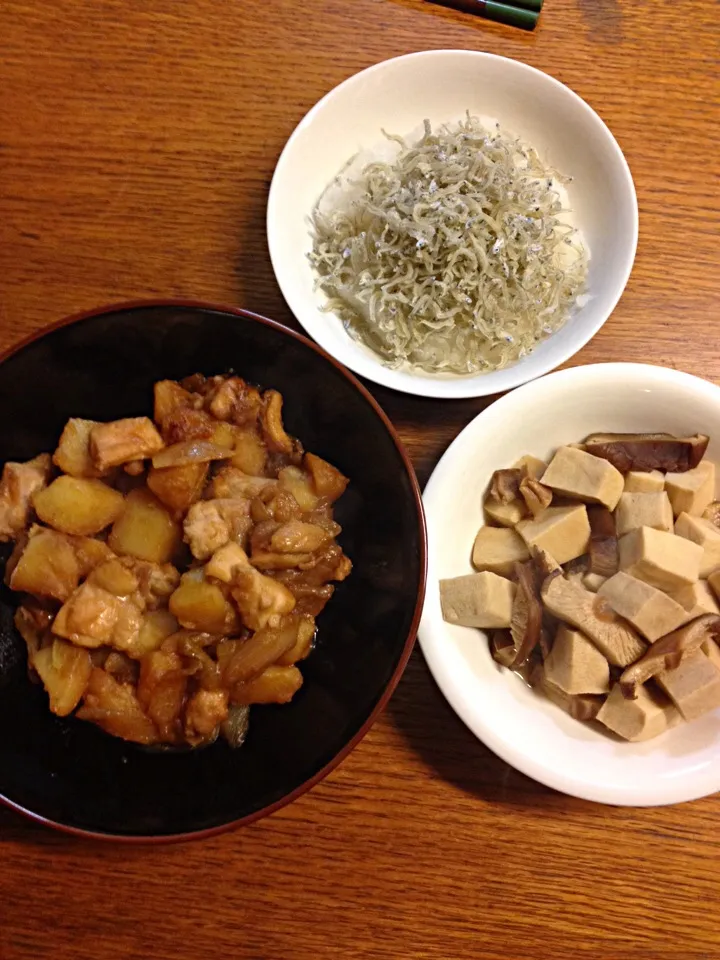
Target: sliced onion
(190,451)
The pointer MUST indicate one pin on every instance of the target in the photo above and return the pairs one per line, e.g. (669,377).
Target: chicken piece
(161,691)
(295,536)
(120,441)
(210,524)
(226,561)
(234,400)
(261,600)
(185,424)
(231,483)
(94,617)
(18,485)
(205,711)
(114,707)
(156,581)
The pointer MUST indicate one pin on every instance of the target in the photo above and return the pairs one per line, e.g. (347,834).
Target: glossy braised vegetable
(170,572)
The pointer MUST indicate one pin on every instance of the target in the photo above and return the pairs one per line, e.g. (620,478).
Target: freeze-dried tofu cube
(692,491)
(704,533)
(642,719)
(498,549)
(477,600)
(649,610)
(661,559)
(693,686)
(638,482)
(563,531)
(643,510)
(575,664)
(578,474)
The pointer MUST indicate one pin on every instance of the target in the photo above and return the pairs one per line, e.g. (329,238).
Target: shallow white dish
(442,85)
(520,726)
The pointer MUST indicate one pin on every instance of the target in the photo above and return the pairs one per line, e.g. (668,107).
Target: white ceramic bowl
(522,727)
(397,95)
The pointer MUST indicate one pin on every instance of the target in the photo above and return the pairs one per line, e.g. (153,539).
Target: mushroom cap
(648,451)
(667,652)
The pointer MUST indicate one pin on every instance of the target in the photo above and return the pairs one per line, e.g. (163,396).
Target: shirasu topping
(454,258)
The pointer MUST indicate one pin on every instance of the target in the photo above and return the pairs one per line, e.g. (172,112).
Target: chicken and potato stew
(170,570)
(598,579)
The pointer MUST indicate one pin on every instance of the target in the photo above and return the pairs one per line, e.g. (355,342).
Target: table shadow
(451,751)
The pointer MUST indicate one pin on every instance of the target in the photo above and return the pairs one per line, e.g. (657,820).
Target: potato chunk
(249,453)
(64,670)
(273,685)
(47,566)
(329,483)
(200,605)
(73,452)
(145,529)
(692,491)
(178,487)
(564,532)
(120,441)
(114,707)
(704,533)
(478,600)
(498,549)
(78,506)
(578,474)
(661,559)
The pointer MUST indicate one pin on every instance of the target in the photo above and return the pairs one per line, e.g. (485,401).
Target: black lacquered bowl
(102,366)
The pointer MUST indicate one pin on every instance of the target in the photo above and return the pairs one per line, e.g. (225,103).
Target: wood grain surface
(137,142)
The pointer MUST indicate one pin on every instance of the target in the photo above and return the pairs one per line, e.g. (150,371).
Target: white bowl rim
(696,784)
(460,387)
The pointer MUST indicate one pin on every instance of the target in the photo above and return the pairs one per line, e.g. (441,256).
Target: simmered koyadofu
(599,581)
(170,570)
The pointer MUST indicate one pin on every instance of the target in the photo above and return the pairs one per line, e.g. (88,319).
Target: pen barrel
(513,16)
(514,13)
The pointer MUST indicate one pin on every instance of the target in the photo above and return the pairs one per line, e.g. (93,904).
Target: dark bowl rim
(412,633)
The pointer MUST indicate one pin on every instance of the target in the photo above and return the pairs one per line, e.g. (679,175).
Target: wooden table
(137,141)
